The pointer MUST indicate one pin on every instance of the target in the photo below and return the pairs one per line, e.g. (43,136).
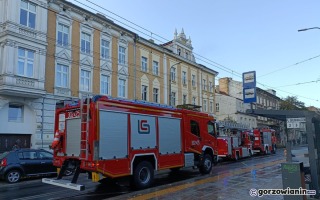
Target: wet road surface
(226,178)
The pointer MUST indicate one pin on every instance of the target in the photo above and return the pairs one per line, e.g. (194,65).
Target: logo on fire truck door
(143,127)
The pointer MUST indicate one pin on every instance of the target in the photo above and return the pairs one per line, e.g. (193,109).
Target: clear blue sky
(240,35)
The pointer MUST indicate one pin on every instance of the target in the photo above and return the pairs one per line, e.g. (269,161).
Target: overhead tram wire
(298,63)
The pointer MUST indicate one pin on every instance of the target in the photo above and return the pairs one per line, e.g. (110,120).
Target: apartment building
(23,102)
(55,50)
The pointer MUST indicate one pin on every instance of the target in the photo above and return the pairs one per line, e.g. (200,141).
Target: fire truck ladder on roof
(85,117)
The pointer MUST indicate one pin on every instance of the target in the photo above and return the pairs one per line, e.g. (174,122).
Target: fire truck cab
(111,137)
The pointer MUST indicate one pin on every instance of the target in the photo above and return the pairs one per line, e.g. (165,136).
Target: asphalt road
(35,189)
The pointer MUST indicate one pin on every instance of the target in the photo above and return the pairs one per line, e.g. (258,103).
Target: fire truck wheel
(207,164)
(143,175)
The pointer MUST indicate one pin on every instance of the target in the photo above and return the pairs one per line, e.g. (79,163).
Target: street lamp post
(170,80)
(306,29)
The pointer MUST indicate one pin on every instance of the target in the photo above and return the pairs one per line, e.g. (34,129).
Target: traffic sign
(249,87)
(296,122)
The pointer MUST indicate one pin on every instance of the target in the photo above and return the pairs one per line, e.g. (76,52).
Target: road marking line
(202,181)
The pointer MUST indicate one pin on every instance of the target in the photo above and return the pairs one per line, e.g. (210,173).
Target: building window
(193,80)
(173,74)
(205,105)
(204,84)
(173,98)
(15,113)
(144,92)
(184,99)
(144,64)
(187,55)
(184,78)
(62,76)
(155,68)
(85,42)
(105,47)
(156,95)
(194,100)
(25,62)
(211,106)
(210,86)
(63,35)
(179,52)
(122,55)
(28,14)
(105,84)
(122,88)
(217,107)
(85,82)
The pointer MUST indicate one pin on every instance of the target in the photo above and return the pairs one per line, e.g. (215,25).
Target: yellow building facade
(89,54)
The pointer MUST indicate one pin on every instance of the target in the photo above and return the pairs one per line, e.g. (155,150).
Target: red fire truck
(264,141)
(110,137)
(233,142)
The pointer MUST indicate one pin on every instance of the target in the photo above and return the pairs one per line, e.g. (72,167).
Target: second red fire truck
(109,137)
(264,141)
(233,142)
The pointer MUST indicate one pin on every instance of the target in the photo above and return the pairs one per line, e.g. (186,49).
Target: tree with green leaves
(292,103)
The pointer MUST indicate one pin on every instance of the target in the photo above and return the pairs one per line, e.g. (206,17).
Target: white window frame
(20,115)
(60,85)
(122,55)
(63,32)
(204,84)
(217,107)
(193,80)
(210,86)
(122,87)
(205,105)
(194,100)
(173,98)
(155,95)
(144,92)
(155,67)
(105,50)
(84,49)
(184,99)
(82,86)
(211,106)
(184,78)
(103,82)
(173,73)
(144,64)
(29,11)
(26,60)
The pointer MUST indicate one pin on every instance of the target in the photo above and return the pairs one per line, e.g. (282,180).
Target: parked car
(24,163)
